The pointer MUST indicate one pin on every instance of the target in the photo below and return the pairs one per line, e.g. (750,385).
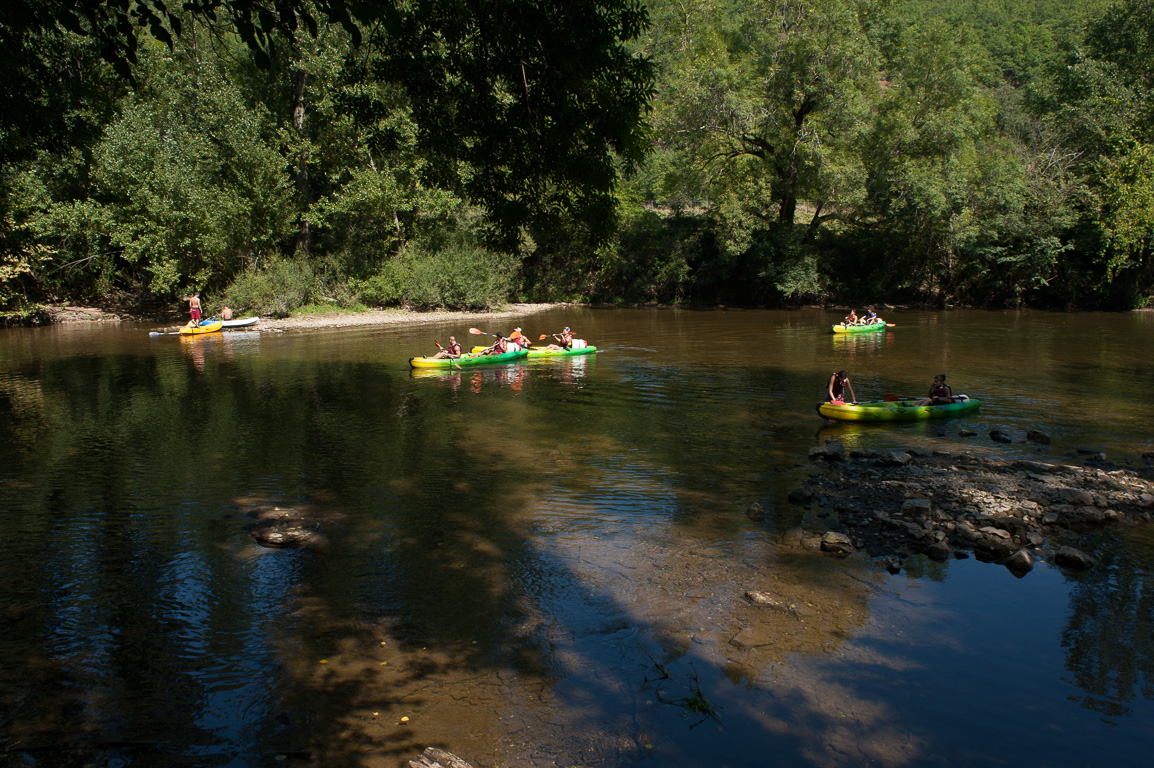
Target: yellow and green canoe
(872,327)
(468,360)
(897,410)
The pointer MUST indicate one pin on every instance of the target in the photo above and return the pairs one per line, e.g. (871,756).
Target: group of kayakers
(515,341)
(868,317)
(940,392)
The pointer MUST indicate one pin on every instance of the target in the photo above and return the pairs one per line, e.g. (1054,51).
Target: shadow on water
(537,565)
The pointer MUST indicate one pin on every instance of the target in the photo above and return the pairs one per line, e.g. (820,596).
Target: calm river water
(543,564)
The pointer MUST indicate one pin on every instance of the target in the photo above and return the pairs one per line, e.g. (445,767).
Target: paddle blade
(476,332)
(542,337)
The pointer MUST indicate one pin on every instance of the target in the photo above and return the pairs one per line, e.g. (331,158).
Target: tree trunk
(304,191)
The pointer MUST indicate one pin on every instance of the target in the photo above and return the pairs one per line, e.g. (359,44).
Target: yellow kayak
(197,330)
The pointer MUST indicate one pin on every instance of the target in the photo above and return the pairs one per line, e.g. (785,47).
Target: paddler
(452,351)
(500,346)
(851,318)
(520,339)
(565,340)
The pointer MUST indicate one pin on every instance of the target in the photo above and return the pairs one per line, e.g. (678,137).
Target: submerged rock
(1074,559)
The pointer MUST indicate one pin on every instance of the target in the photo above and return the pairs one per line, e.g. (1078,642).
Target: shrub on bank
(458,275)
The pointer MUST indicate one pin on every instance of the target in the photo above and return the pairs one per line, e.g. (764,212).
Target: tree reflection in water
(1109,639)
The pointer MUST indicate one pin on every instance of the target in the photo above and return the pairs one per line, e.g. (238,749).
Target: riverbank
(68,314)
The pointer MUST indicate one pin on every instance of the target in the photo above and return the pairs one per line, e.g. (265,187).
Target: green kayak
(468,360)
(843,328)
(897,410)
(535,353)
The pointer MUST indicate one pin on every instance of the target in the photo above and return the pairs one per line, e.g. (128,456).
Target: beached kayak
(897,410)
(843,328)
(197,330)
(239,323)
(467,360)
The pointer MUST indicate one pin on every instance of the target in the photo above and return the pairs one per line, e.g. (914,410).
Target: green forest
(286,154)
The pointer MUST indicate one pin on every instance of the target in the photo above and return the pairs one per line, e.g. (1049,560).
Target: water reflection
(1108,643)
(552,555)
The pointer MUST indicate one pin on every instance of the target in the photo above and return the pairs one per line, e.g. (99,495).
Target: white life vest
(578,344)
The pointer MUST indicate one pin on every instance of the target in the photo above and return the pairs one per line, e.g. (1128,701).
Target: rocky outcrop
(942,505)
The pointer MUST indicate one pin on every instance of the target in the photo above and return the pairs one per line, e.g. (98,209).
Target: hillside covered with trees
(276,154)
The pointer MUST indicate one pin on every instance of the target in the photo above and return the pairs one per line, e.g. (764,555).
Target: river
(543,564)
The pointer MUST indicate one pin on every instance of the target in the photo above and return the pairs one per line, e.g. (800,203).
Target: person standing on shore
(194,308)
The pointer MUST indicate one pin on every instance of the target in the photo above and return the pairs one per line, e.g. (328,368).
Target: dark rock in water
(836,544)
(891,564)
(831,451)
(1148,455)
(801,495)
(1074,559)
(939,551)
(1088,451)
(1020,563)
(285,528)
(966,433)
(998,436)
(1034,436)
(755,512)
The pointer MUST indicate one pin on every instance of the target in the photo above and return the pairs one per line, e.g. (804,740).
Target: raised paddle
(478,332)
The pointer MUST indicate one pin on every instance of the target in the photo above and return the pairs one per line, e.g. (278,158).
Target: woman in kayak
(565,338)
(453,350)
(838,383)
(940,392)
(500,346)
(851,318)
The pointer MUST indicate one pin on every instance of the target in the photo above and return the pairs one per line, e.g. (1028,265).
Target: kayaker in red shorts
(194,308)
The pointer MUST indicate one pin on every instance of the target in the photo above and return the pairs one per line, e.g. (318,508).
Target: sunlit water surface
(543,564)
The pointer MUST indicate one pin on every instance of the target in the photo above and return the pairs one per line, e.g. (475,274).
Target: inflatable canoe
(897,410)
(843,328)
(535,353)
(467,360)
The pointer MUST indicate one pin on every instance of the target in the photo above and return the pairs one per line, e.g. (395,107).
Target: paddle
(166,333)
(477,332)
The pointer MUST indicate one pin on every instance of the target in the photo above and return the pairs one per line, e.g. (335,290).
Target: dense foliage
(281,153)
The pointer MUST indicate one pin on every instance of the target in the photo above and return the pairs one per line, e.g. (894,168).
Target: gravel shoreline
(71,314)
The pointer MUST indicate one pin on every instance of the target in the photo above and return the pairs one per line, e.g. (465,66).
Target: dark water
(543,564)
